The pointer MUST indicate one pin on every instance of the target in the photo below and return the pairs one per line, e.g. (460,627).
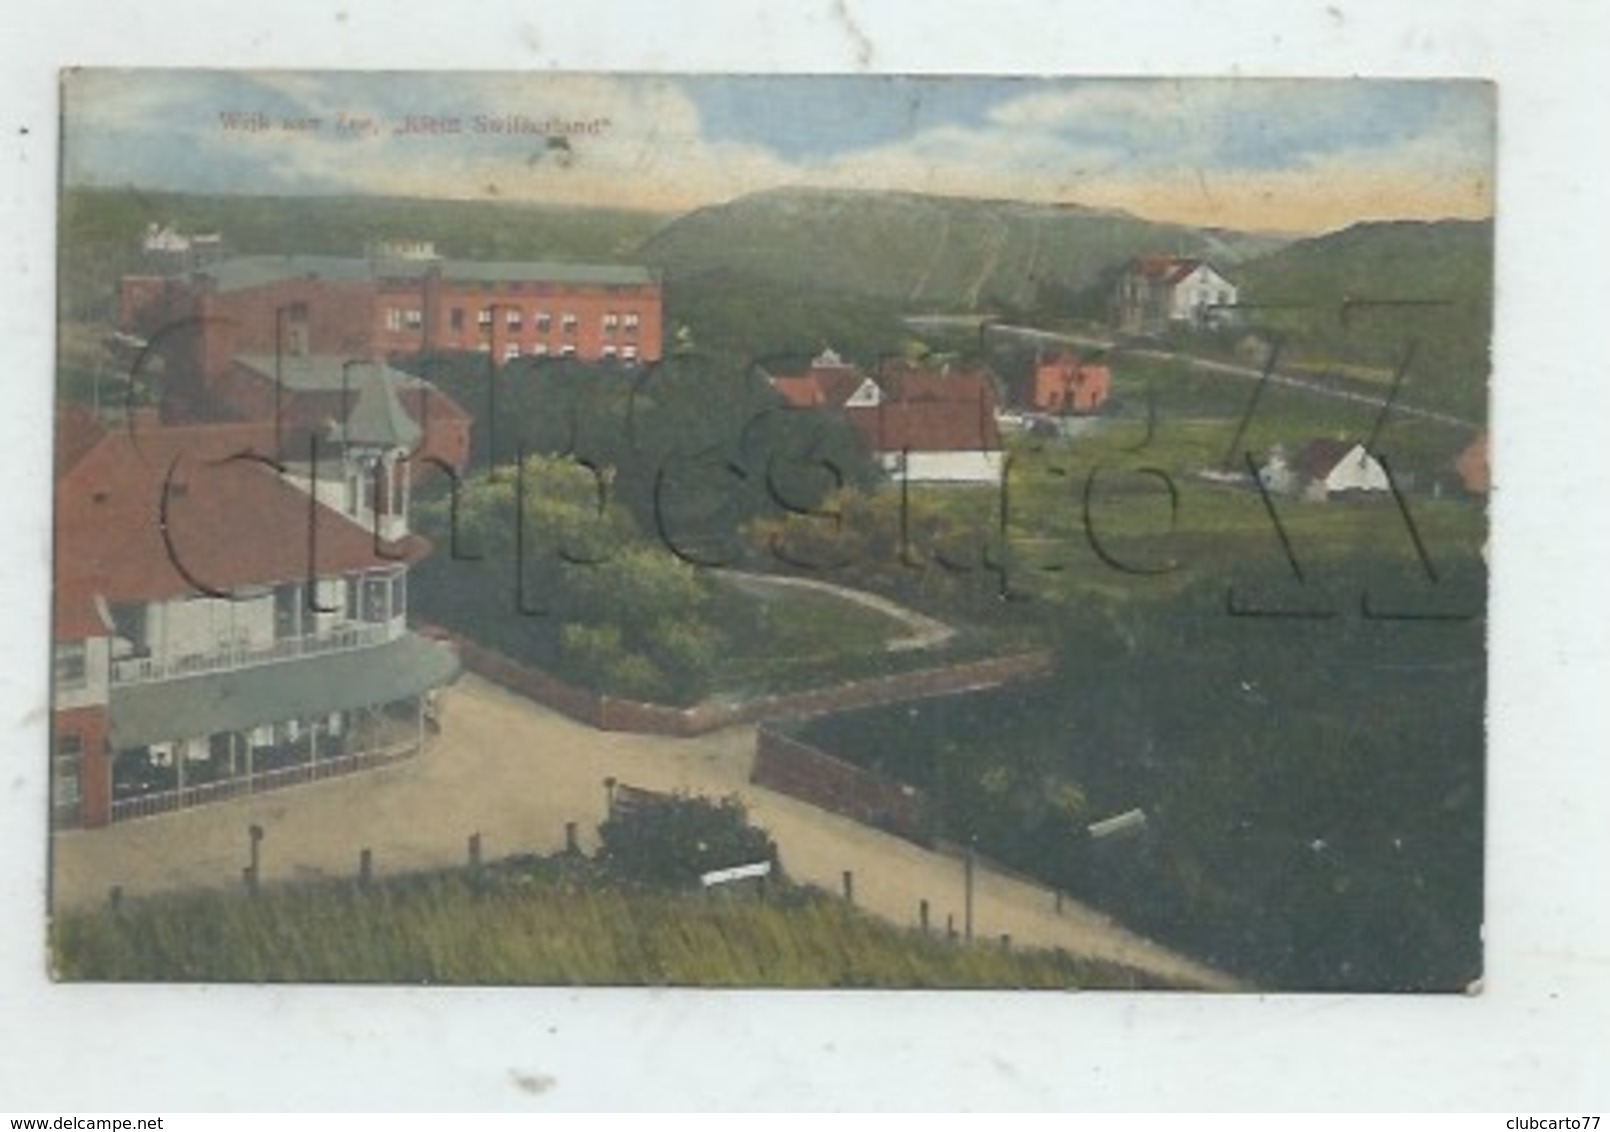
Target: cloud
(1212,151)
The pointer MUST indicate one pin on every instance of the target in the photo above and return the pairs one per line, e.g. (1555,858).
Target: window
(297,316)
(629,353)
(456,318)
(413,319)
(544,322)
(611,322)
(394,318)
(68,771)
(630,321)
(567,323)
(609,351)
(129,622)
(567,351)
(516,319)
(72,664)
(511,351)
(540,349)
(374,598)
(485,316)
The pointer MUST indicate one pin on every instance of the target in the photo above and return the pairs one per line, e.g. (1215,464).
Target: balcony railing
(166,801)
(357,635)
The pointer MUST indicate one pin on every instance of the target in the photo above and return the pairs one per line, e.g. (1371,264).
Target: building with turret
(230,617)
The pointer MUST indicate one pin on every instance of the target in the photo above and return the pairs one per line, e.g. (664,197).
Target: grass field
(556,921)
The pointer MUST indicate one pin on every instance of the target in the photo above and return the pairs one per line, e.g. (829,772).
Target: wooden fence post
(254,837)
(970,865)
(922,915)
(572,846)
(475,850)
(366,867)
(849,886)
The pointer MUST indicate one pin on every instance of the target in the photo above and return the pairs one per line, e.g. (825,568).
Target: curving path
(926,632)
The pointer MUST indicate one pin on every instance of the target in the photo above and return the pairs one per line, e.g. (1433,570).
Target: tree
(675,840)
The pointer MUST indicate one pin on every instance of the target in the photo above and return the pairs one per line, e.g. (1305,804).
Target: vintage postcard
(807,531)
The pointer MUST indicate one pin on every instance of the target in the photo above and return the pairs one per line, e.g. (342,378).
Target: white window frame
(70,663)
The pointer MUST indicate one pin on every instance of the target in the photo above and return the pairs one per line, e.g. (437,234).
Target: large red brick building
(364,307)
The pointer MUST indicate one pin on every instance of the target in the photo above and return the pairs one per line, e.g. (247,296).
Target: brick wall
(812,775)
(532,683)
(610,713)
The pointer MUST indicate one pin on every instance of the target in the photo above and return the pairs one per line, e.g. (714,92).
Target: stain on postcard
(771,531)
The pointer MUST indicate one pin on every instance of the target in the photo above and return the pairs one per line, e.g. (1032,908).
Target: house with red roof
(226,621)
(1323,469)
(922,424)
(1158,293)
(1474,465)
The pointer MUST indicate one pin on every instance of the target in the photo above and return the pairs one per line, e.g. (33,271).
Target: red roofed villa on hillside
(225,623)
(1157,293)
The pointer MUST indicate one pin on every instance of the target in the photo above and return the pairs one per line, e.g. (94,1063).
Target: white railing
(357,635)
(167,801)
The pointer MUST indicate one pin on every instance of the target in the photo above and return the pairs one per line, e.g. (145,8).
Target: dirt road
(516,773)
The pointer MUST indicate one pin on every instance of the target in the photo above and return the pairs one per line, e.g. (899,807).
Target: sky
(1294,156)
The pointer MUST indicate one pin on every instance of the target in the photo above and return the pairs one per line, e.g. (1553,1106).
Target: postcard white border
(1533,1040)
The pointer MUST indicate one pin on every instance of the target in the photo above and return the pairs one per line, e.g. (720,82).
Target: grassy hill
(537,922)
(923,252)
(1426,283)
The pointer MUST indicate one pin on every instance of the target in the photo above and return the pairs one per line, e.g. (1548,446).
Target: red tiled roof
(928,426)
(819,386)
(1164,269)
(1320,457)
(228,524)
(923,410)
(802,391)
(1474,466)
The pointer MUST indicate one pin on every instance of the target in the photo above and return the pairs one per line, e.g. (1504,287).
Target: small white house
(1158,292)
(1326,469)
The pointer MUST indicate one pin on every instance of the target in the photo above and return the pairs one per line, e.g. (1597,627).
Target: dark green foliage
(1314,788)
(671,842)
(690,449)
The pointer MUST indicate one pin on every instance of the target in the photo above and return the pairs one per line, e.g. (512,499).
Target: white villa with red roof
(227,621)
(1160,292)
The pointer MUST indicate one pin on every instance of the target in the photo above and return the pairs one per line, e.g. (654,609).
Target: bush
(672,842)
